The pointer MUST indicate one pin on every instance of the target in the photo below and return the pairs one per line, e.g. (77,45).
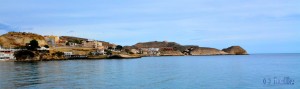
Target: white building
(7,54)
(150,51)
(68,54)
(43,48)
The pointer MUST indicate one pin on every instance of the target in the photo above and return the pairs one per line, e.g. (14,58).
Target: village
(51,47)
(80,48)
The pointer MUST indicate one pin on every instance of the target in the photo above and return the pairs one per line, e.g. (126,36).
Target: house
(7,54)
(150,51)
(92,44)
(61,42)
(52,40)
(68,54)
(167,49)
(71,44)
(44,50)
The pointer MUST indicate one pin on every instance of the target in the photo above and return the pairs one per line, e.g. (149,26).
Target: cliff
(207,51)
(171,53)
(16,39)
(235,50)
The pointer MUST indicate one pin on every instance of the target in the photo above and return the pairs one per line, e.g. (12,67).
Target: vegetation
(33,45)
(119,47)
(20,47)
(78,41)
(70,38)
(58,54)
(110,48)
(46,46)
(68,43)
(23,55)
(127,50)
(74,41)
(131,53)
(108,52)
(94,54)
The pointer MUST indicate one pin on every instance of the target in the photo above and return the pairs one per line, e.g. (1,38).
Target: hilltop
(175,49)
(69,38)
(16,39)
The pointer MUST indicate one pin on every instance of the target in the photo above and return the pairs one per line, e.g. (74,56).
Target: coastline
(115,57)
(35,47)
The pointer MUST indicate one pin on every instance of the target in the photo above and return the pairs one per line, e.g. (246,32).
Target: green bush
(59,54)
(23,54)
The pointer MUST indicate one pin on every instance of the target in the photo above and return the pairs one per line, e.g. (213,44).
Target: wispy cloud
(6,27)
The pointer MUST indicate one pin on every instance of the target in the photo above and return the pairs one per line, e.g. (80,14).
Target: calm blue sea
(257,71)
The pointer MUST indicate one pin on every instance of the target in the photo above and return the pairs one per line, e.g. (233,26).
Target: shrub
(59,54)
(23,54)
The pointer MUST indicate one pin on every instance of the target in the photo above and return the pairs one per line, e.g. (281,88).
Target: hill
(71,38)
(16,39)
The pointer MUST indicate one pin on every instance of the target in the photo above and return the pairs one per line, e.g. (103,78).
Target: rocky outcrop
(26,55)
(47,57)
(123,56)
(16,39)
(207,51)
(235,50)
(171,53)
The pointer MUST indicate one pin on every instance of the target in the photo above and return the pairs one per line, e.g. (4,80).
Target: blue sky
(260,26)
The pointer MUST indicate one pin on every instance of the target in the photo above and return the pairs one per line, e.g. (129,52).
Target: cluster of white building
(7,54)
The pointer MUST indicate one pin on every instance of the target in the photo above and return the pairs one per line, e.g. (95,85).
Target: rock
(207,51)
(123,56)
(25,55)
(171,53)
(235,50)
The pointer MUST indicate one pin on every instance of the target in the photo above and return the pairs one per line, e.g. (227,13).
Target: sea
(254,71)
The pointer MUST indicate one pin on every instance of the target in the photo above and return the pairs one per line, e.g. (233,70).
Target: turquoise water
(185,72)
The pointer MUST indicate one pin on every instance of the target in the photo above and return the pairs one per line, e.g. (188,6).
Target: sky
(259,26)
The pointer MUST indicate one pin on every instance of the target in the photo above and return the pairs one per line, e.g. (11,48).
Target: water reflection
(208,72)
(28,76)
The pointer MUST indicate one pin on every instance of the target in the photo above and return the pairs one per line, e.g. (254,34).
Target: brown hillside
(156,44)
(71,38)
(15,39)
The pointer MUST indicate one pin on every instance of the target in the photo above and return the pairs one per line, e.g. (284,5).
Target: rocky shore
(123,56)
(235,50)
(207,51)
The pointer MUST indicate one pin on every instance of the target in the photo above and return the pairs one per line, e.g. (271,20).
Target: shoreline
(112,58)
